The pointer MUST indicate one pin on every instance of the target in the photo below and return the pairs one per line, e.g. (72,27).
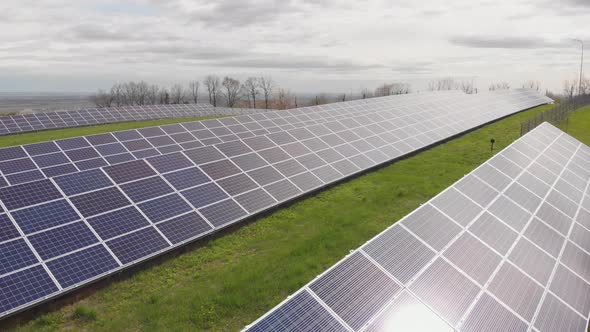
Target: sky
(306,46)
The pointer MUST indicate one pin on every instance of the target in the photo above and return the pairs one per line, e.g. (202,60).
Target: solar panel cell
(136,245)
(86,264)
(61,240)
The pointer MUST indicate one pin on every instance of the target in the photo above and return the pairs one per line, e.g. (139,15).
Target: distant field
(16,103)
(230,280)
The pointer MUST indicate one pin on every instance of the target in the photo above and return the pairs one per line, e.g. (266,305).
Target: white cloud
(306,45)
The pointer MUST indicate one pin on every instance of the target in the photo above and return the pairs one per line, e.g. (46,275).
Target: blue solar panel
(15,255)
(58,241)
(12,153)
(142,190)
(25,286)
(204,195)
(184,227)
(77,183)
(170,162)
(164,207)
(110,149)
(96,202)
(59,170)
(24,177)
(299,314)
(82,265)
(27,194)
(82,154)
(51,159)
(7,229)
(44,216)
(186,178)
(118,222)
(41,148)
(17,165)
(130,171)
(72,143)
(223,212)
(91,164)
(134,246)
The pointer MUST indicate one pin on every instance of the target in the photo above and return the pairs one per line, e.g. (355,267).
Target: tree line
(264,92)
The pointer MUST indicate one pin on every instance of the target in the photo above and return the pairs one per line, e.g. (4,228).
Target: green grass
(231,280)
(48,135)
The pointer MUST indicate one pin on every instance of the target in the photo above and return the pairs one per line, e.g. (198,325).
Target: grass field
(230,280)
(48,135)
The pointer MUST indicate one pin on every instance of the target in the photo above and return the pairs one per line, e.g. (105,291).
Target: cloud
(268,61)
(507,42)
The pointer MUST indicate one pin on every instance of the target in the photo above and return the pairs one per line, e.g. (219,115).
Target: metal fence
(558,115)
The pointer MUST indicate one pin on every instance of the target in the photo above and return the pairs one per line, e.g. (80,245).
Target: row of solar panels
(61,232)
(22,123)
(43,160)
(506,248)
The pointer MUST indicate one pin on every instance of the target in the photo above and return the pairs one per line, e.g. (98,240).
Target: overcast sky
(305,45)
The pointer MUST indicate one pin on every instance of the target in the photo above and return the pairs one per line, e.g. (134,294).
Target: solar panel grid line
(520,235)
(33,250)
(81,218)
(547,288)
(386,306)
(401,223)
(328,309)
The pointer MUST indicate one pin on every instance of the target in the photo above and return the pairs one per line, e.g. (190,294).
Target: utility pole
(581,66)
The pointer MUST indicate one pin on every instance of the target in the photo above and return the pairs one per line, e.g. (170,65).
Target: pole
(581,67)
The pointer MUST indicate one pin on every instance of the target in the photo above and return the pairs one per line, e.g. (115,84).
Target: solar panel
(461,262)
(14,124)
(83,153)
(144,207)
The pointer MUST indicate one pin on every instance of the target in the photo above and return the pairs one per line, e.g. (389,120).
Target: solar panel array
(37,161)
(506,248)
(61,232)
(22,123)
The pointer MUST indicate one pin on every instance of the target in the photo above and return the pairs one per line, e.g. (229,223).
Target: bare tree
(365,93)
(193,87)
(284,99)
(389,89)
(102,98)
(569,87)
(499,86)
(447,83)
(164,96)
(535,85)
(142,93)
(117,94)
(153,94)
(231,91)
(252,89)
(212,83)
(267,85)
(468,87)
(177,94)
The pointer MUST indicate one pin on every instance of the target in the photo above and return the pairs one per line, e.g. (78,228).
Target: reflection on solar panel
(92,116)
(506,248)
(79,227)
(37,161)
